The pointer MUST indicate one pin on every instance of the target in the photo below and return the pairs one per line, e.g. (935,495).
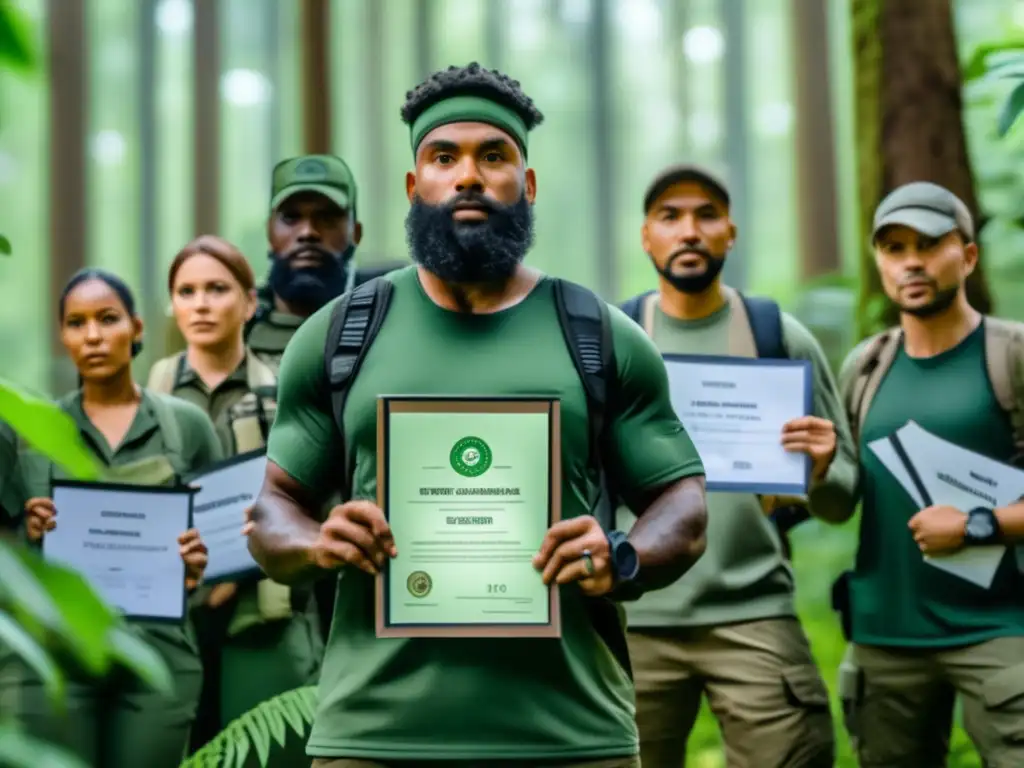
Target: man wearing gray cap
(728,630)
(921,634)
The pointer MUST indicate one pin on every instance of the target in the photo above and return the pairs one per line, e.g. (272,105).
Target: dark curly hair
(471,80)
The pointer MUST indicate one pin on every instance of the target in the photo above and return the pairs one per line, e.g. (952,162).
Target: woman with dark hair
(256,624)
(140,438)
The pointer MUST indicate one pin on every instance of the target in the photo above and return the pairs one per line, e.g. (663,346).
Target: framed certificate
(223,492)
(733,409)
(469,488)
(124,540)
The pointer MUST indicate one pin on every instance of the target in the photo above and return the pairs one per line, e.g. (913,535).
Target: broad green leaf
(20,589)
(36,657)
(5,246)
(259,734)
(1011,110)
(137,655)
(49,430)
(17,49)
(979,61)
(88,620)
(19,750)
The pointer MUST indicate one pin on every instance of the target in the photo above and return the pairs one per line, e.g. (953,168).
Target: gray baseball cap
(925,207)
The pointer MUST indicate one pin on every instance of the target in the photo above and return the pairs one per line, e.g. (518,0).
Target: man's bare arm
(669,532)
(284,532)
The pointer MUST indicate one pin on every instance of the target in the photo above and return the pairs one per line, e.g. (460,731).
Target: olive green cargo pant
(116,722)
(615,762)
(761,683)
(898,702)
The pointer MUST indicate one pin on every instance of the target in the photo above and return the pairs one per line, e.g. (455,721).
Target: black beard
(944,298)
(693,283)
(311,287)
(470,252)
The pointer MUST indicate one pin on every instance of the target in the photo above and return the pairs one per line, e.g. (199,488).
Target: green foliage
(255,730)
(5,246)
(47,429)
(18,749)
(17,49)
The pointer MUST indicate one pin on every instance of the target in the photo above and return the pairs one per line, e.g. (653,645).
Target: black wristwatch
(625,567)
(982,527)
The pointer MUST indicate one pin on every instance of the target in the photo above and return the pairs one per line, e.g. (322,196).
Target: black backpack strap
(766,326)
(587,330)
(355,321)
(634,306)
(586,326)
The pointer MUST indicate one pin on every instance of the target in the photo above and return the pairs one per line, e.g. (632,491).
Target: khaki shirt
(270,335)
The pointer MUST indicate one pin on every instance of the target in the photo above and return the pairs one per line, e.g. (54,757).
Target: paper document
(937,472)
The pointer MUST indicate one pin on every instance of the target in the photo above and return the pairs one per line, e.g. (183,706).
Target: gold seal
(419,583)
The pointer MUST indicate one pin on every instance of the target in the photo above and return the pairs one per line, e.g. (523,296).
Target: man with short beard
(469,319)
(728,630)
(922,635)
(313,232)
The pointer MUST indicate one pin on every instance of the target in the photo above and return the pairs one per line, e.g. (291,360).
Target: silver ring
(588,562)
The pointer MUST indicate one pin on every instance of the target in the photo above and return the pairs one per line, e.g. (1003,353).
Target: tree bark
(909,125)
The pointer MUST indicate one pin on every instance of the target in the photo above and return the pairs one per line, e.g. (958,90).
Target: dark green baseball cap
(926,208)
(328,175)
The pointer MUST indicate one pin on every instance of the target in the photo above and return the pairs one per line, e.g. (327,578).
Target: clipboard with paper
(936,471)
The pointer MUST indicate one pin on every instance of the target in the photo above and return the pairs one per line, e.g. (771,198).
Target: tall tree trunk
(909,115)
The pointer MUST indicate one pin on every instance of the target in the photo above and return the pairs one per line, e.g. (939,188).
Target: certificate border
(427,404)
(238,458)
(764,489)
(156,490)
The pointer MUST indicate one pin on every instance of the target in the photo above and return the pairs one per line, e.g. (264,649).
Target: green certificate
(469,488)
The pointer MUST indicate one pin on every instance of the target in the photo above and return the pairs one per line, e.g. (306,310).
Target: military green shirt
(743,574)
(218,402)
(145,447)
(898,599)
(443,699)
(12,495)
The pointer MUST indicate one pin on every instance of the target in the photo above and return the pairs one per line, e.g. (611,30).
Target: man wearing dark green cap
(313,232)
(469,319)
(921,635)
(728,631)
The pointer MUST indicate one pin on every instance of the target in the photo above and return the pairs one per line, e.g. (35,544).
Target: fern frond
(255,729)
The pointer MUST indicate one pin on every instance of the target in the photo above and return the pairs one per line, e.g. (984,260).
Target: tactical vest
(249,420)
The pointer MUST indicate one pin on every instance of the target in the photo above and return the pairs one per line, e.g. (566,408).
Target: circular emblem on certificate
(470,457)
(419,583)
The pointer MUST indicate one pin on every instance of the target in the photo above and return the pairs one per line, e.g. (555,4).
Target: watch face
(980,526)
(627,561)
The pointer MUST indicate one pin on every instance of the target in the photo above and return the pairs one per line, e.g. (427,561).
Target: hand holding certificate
(128,542)
(734,410)
(469,489)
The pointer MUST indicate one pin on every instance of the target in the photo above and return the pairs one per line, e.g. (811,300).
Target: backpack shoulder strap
(638,309)
(765,320)
(869,370)
(170,429)
(586,327)
(355,321)
(164,374)
(259,375)
(1004,360)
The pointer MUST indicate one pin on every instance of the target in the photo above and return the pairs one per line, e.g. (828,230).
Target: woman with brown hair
(258,638)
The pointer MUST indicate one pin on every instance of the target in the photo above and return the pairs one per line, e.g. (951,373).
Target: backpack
(1004,364)
(250,418)
(755,329)
(583,317)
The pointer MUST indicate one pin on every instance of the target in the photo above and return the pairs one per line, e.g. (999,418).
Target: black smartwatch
(625,564)
(982,527)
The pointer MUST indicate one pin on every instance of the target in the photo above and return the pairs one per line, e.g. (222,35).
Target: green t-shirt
(897,599)
(444,699)
(743,575)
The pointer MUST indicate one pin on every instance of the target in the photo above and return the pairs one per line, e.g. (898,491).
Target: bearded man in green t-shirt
(470,319)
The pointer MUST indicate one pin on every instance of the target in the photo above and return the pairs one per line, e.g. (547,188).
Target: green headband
(468,109)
